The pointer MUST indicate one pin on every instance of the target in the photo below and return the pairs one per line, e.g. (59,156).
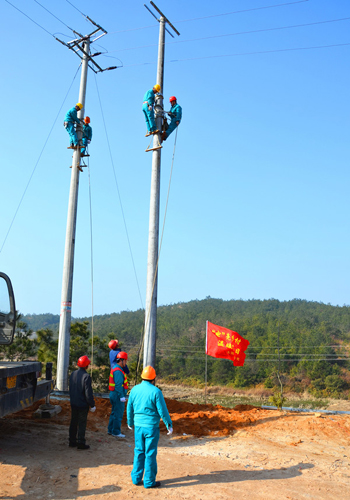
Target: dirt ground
(215,453)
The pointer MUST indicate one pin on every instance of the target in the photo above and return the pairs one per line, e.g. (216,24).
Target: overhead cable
(21,11)
(37,162)
(215,15)
(53,15)
(76,8)
(119,196)
(263,30)
(244,54)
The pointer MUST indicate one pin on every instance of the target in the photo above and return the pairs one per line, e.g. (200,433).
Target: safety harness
(111,385)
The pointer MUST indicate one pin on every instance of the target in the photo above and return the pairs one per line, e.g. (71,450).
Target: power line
(264,30)
(37,162)
(53,15)
(119,196)
(21,11)
(244,54)
(214,15)
(76,8)
(241,11)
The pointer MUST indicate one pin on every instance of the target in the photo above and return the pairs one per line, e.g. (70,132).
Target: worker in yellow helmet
(146,406)
(148,110)
(70,119)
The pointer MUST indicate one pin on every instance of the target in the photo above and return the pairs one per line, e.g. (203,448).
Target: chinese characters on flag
(224,343)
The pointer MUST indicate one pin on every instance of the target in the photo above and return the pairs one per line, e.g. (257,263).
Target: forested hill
(187,320)
(314,340)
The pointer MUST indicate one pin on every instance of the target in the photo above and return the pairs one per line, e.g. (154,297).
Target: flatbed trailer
(19,385)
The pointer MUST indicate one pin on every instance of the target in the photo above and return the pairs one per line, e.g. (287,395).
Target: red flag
(224,343)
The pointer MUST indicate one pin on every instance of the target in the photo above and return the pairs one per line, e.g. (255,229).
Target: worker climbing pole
(149,356)
(79,139)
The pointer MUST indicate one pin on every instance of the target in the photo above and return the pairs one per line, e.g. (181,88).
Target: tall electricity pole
(81,46)
(149,355)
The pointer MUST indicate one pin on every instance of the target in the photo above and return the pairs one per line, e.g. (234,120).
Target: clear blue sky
(259,201)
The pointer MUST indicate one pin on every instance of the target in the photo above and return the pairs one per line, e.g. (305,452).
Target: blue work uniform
(146,406)
(115,420)
(69,120)
(176,115)
(148,100)
(87,136)
(112,360)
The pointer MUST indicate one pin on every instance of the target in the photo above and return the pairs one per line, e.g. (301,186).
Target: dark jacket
(80,390)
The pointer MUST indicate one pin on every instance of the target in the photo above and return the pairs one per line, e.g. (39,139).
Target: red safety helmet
(113,344)
(122,355)
(172,98)
(83,362)
(87,119)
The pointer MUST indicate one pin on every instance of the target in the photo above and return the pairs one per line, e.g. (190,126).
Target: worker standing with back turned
(175,114)
(148,109)
(118,387)
(69,121)
(146,406)
(81,398)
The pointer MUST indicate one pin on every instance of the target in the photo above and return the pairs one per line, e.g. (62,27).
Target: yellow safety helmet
(79,104)
(157,87)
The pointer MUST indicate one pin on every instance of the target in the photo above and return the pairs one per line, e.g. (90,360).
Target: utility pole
(149,355)
(81,46)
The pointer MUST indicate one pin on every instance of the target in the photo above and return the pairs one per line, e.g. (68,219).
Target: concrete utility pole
(149,355)
(68,265)
(81,46)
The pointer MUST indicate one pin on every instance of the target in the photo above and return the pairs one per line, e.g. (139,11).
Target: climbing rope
(37,162)
(155,274)
(92,272)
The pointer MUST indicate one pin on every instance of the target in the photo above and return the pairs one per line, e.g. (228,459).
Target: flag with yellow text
(224,343)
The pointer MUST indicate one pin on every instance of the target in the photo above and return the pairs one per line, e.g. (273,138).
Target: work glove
(170,431)
(129,427)
(93,409)
(122,400)
(150,108)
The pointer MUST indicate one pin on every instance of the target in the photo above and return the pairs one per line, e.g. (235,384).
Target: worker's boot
(83,447)
(156,485)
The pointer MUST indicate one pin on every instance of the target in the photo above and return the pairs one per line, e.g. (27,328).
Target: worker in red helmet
(114,351)
(87,136)
(81,399)
(175,114)
(118,388)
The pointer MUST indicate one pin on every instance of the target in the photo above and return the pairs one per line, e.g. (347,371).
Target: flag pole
(206,362)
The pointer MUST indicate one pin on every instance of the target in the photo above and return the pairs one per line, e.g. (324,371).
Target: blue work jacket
(112,359)
(149,97)
(72,116)
(176,112)
(146,406)
(87,131)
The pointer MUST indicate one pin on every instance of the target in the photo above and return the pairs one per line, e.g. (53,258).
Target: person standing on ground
(146,406)
(175,114)
(87,136)
(114,351)
(81,399)
(118,387)
(69,120)
(148,110)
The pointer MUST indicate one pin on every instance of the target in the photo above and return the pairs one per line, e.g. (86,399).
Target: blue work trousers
(145,455)
(84,142)
(149,117)
(171,128)
(115,420)
(72,133)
